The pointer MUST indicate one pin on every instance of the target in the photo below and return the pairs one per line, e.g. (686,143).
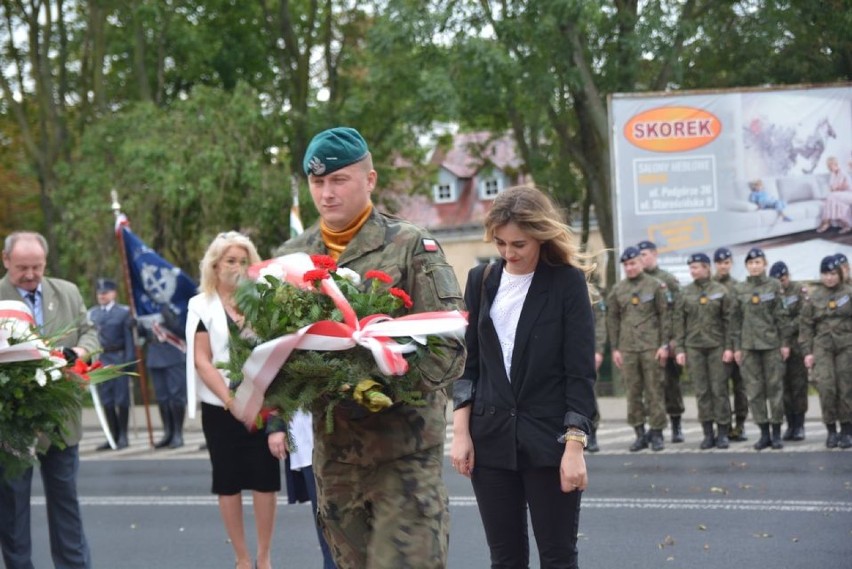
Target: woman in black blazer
(524,404)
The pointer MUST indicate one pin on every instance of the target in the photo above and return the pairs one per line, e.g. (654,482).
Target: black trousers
(503,497)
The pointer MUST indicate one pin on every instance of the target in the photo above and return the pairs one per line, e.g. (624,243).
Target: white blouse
(506,311)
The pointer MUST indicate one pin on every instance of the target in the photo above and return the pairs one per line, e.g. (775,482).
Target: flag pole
(140,367)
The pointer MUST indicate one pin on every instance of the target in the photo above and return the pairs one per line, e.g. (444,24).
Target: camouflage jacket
(826,318)
(727,281)
(794,295)
(638,314)
(673,289)
(702,316)
(417,265)
(760,320)
(599,311)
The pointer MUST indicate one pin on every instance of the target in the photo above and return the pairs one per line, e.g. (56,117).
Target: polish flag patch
(430,245)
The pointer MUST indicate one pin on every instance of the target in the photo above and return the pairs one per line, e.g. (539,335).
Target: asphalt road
(681,508)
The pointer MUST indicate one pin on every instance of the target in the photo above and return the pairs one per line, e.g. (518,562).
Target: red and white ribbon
(15,317)
(374,332)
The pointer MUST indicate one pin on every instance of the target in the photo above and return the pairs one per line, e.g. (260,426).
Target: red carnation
(402,295)
(315,275)
(324,262)
(379,276)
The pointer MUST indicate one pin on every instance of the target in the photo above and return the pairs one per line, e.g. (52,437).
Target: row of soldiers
(762,335)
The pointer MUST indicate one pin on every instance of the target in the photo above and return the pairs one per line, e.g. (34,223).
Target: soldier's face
(756,267)
(723,268)
(106,296)
(785,280)
(343,195)
(25,264)
(830,279)
(632,267)
(649,258)
(520,251)
(699,271)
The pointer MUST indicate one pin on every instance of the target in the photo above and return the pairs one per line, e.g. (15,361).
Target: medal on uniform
(832,304)
(634,300)
(702,299)
(755,298)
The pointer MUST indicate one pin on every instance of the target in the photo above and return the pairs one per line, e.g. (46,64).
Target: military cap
(778,270)
(698,258)
(104,285)
(755,253)
(629,253)
(334,149)
(721,254)
(649,245)
(828,264)
(841,258)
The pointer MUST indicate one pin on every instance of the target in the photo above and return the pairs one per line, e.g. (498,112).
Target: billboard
(694,171)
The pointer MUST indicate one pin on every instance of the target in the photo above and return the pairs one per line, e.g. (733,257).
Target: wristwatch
(574,435)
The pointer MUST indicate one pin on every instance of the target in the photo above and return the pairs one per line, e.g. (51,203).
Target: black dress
(240,458)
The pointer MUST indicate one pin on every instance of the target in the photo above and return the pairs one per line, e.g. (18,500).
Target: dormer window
(490,187)
(444,193)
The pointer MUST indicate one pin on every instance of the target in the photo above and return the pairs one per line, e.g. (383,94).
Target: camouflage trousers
(795,383)
(391,516)
(644,380)
(763,371)
(732,370)
(707,371)
(674,395)
(833,378)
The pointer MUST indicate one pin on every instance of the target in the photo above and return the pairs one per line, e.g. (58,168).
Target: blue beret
(778,270)
(334,149)
(829,264)
(722,253)
(755,253)
(629,253)
(698,258)
(104,285)
(650,245)
(841,258)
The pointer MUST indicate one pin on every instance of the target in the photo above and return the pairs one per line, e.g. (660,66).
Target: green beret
(334,149)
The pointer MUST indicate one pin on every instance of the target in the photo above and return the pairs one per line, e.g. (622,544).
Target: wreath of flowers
(39,391)
(276,306)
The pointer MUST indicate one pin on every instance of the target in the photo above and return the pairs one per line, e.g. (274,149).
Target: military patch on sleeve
(430,245)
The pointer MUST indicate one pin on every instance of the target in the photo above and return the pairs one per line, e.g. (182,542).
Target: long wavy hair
(216,251)
(536,215)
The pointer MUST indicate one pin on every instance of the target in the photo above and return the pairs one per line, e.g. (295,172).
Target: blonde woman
(241,460)
(838,205)
(524,405)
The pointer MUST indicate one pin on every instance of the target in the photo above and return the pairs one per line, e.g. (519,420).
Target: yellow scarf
(336,241)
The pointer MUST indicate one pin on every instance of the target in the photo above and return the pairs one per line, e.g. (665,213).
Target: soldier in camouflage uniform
(381,500)
(599,311)
(795,374)
(825,334)
(674,395)
(723,259)
(638,324)
(702,329)
(761,347)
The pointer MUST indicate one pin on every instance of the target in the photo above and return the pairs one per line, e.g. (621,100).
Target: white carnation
(41,377)
(349,275)
(56,374)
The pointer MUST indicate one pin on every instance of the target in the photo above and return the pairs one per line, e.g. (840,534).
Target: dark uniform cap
(722,253)
(841,258)
(755,253)
(778,270)
(104,285)
(629,253)
(334,149)
(698,258)
(650,245)
(829,264)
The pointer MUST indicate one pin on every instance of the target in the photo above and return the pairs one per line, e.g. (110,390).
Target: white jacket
(208,309)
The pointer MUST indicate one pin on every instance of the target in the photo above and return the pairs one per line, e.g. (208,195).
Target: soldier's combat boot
(657,440)
(178,411)
(121,439)
(737,434)
(791,426)
(776,436)
(722,438)
(677,431)
(799,431)
(641,442)
(592,443)
(112,425)
(166,416)
(831,441)
(764,441)
(709,440)
(845,435)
